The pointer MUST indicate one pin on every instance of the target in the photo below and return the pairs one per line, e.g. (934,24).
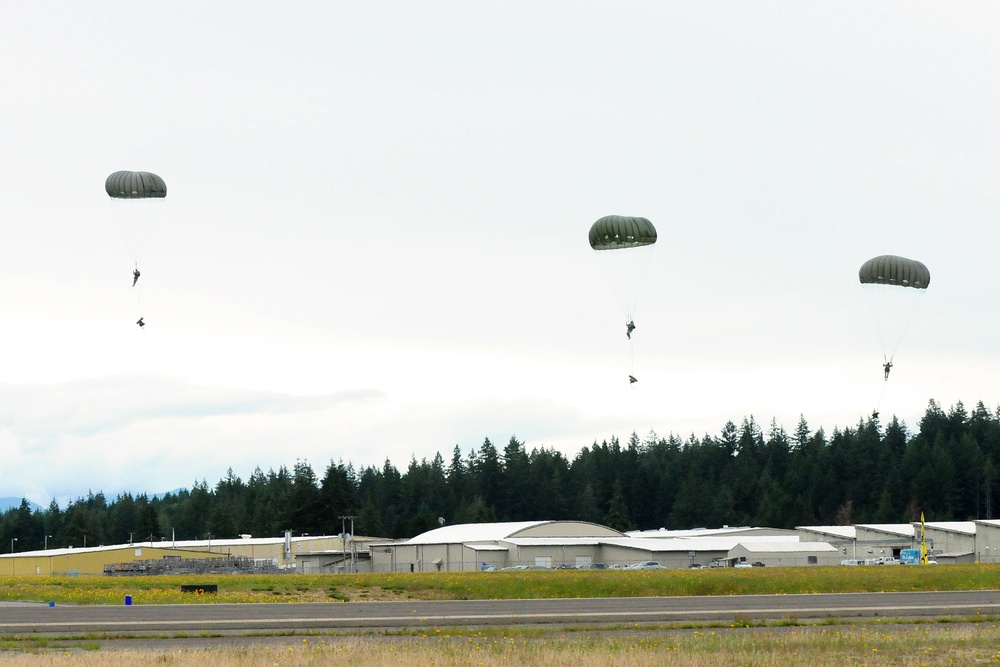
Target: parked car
(742,563)
(646,565)
(594,566)
(696,566)
(758,564)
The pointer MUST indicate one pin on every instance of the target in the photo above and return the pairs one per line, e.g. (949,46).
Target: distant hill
(11,502)
(159,496)
(8,503)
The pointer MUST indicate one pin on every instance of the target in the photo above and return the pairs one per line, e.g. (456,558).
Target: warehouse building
(785,553)
(577,544)
(949,541)
(468,547)
(863,541)
(281,552)
(892,535)
(988,541)
(537,544)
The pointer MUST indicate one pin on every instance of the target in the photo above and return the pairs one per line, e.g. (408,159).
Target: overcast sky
(374,243)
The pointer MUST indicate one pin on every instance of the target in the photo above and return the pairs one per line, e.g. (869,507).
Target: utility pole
(343,538)
(354,559)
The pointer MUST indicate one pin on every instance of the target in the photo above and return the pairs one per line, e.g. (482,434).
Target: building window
(812,560)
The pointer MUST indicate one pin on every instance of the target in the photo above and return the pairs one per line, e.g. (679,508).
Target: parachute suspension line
(638,281)
(878,407)
(625,243)
(894,285)
(631,360)
(136,197)
(906,327)
(887,365)
(638,293)
(137,287)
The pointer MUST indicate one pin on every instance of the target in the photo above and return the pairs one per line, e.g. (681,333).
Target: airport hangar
(579,544)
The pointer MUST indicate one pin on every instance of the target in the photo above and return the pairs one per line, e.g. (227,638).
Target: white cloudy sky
(375,239)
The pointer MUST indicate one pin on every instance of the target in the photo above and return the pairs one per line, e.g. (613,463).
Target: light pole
(354,544)
(343,539)
(47,541)
(343,543)
(12,540)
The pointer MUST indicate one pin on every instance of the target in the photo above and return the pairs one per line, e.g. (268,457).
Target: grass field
(912,645)
(501,585)
(874,643)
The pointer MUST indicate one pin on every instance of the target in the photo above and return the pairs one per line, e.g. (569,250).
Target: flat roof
(964,527)
(903,529)
(845,532)
(710,532)
(674,544)
(184,545)
(473,532)
(555,541)
(789,547)
(464,533)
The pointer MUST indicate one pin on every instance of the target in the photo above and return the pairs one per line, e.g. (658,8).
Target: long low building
(282,552)
(580,544)
(947,541)
(540,544)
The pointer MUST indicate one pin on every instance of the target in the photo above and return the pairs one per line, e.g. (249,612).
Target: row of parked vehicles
(643,565)
(885,560)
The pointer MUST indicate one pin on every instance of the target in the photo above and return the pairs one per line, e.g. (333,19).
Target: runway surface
(263,618)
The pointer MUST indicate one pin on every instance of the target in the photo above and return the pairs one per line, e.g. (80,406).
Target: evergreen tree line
(743,476)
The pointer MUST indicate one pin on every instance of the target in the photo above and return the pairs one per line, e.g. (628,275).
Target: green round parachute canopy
(613,232)
(135,185)
(893,270)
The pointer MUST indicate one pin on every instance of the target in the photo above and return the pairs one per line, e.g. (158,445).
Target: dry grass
(942,644)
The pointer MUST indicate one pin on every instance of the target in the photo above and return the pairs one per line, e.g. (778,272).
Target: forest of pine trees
(744,476)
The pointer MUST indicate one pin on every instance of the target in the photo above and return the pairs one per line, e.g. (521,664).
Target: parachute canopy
(135,185)
(613,232)
(894,270)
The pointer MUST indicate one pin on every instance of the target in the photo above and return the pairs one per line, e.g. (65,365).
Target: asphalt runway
(235,619)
